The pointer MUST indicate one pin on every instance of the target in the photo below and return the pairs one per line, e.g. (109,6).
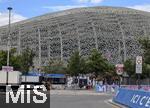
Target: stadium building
(112,30)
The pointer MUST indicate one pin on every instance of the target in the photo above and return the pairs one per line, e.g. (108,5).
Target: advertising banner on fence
(133,98)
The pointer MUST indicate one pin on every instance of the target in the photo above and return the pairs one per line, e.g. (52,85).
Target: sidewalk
(76,92)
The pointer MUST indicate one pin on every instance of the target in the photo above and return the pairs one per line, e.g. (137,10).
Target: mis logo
(26,96)
(21,91)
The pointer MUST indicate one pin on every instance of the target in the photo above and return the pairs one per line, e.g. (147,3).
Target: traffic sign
(119,69)
(139,64)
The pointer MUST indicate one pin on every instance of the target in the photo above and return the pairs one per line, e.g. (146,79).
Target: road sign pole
(7,78)
(139,81)
(139,69)
(119,81)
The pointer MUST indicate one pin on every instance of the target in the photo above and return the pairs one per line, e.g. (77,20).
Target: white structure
(14,78)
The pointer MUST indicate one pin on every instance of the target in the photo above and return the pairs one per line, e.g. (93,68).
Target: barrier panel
(133,98)
(135,87)
(106,88)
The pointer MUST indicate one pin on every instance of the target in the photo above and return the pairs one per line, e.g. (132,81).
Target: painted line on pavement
(112,104)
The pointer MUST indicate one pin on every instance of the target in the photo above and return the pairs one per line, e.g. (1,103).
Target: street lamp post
(8,45)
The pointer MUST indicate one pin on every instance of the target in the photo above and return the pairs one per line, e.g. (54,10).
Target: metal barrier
(135,87)
(114,88)
(133,98)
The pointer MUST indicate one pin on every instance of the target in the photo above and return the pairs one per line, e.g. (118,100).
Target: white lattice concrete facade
(113,31)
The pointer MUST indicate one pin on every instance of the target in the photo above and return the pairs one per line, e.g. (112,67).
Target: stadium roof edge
(71,11)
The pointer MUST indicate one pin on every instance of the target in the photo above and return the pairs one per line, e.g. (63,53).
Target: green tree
(20,62)
(146,70)
(76,64)
(97,63)
(3,58)
(129,67)
(26,58)
(145,42)
(14,59)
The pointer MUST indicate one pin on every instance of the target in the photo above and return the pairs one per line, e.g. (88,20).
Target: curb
(70,92)
(115,104)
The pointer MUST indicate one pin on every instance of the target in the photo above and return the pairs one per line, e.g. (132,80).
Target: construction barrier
(133,98)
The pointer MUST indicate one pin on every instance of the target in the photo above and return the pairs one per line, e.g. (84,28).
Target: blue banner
(133,98)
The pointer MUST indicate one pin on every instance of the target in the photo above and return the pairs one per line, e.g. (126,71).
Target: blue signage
(133,98)
(34,74)
(55,75)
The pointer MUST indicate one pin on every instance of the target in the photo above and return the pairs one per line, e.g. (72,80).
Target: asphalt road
(80,101)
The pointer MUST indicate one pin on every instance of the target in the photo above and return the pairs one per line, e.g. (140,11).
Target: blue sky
(24,9)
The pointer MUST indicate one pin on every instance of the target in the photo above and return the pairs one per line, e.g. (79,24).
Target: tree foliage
(76,64)
(129,67)
(145,42)
(14,59)
(26,58)
(55,66)
(3,58)
(19,62)
(95,63)
(146,70)
(98,64)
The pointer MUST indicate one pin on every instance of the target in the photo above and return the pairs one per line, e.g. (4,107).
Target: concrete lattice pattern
(113,31)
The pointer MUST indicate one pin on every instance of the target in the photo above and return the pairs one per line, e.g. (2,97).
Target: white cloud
(141,7)
(59,8)
(14,18)
(90,1)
